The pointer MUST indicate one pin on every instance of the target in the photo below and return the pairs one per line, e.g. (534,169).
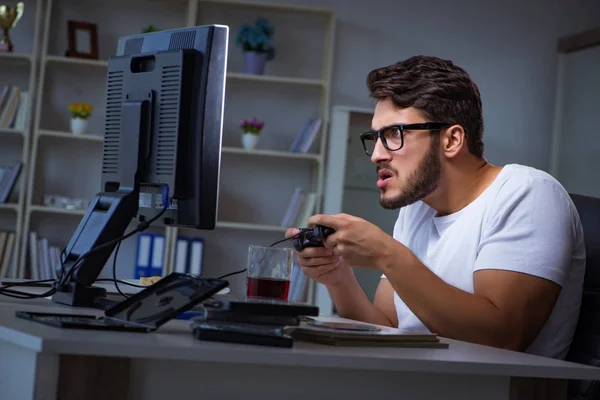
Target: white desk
(42,362)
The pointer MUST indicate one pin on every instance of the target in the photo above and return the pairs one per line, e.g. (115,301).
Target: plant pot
(78,126)
(249,141)
(254,63)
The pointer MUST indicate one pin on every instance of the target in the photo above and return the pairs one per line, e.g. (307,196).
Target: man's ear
(454,139)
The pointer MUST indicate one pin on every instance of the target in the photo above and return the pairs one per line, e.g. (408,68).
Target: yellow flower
(80,110)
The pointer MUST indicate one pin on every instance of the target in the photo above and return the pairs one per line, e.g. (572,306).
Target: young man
(480,253)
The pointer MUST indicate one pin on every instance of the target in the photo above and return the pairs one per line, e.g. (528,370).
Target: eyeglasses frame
(427,126)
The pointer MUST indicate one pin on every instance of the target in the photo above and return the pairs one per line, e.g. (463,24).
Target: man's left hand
(356,242)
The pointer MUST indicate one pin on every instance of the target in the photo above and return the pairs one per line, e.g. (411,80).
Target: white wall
(580,142)
(509,48)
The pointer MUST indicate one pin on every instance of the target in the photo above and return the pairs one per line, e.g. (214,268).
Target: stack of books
(43,258)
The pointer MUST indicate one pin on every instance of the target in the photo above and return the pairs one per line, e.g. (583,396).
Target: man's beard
(421,183)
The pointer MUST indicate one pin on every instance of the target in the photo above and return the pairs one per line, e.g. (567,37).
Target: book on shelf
(13,101)
(43,258)
(8,178)
(301,207)
(305,137)
(7,247)
(189,253)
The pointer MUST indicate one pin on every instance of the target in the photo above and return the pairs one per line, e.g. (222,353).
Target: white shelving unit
(296,86)
(19,68)
(352,189)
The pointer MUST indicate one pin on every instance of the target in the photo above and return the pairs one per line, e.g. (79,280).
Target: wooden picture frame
(77,46)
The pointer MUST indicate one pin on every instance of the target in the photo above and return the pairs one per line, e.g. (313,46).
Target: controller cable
(272,244)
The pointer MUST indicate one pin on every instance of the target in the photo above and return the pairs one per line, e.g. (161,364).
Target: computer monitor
(161,161)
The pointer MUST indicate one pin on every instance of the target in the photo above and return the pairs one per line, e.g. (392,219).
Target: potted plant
(250,132)
(255,42)
(80,112)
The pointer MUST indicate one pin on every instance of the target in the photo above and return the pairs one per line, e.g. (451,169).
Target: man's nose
(380,153)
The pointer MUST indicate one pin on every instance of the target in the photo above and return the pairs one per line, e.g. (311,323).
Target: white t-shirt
(524,221)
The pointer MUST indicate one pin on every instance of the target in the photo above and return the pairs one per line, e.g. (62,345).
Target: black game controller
(311,237)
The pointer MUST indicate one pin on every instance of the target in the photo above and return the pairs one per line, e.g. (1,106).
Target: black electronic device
(145,311)
(224,315)
(263,306)
(311,237)
(162,148)
(258,321)
(242,333)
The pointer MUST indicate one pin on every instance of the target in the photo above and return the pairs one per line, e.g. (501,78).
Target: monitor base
(76,295)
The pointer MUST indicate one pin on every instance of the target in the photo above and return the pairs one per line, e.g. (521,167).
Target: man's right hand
(319,263)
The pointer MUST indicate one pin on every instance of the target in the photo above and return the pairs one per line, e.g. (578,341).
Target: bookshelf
(351,189)
(256,185)
(18,68)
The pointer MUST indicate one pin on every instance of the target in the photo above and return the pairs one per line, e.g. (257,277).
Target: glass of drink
(269,272)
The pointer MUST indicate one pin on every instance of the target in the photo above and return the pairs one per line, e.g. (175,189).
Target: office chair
(585,347)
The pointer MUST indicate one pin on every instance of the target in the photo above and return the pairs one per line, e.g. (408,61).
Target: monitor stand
(106,220)
(109,213)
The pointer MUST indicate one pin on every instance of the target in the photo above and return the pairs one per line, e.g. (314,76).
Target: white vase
(78,126)
(249,141)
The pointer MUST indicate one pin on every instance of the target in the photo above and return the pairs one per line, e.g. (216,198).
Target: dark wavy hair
(441,90)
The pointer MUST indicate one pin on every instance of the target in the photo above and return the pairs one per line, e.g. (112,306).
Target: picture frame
(83,40)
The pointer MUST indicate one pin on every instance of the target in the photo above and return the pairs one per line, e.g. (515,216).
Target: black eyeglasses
(392,136)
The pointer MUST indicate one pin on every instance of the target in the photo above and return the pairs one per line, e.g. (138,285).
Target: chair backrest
(585,348)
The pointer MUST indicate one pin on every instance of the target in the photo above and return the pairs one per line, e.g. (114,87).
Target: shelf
(250,227)
(269,6)
(9,206)
(270,153)
(77,61)
(275,79)
(230,75)
(67,135)
(11,131)
(223,225)
(52,210)
(16,56)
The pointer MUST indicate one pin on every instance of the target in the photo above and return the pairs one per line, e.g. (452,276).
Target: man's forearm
(351,302)
(443,308)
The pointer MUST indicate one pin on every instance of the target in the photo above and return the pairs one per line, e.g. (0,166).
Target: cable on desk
(4,290)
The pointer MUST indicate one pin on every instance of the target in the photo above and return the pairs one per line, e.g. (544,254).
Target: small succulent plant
(252,126)
(257,38)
